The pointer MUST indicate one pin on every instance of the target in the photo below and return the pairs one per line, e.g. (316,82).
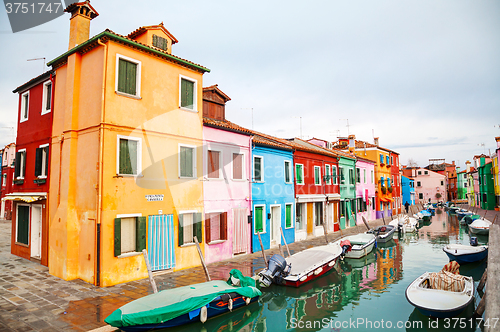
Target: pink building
(226,186)
(365,190)
(429,186)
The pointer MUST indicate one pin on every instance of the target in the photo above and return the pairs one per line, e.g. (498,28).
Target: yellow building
(382,171)
(126,155)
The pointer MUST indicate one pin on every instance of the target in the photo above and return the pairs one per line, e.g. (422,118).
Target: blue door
(161,242)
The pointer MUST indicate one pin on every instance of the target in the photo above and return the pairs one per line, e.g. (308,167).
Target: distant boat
(468,219)
(383,233)
(442,294)
(480,226)
(465,253)
(359,245)
(462,213)
(405,224)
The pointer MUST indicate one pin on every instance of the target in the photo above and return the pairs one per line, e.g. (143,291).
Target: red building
(31,178)
(8,160)
(317,192)
(396,183)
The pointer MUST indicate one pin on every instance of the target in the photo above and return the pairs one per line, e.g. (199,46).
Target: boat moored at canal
(300,268)
(465,253)
(480,226)
(358,245)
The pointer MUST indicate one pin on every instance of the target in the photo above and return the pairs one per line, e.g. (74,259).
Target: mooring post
(262,249)
(201,258)
(284,241)
(482,282)
(150,274)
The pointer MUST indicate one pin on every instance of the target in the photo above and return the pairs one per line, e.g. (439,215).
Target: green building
(347,174)
(486,185)
(462,185)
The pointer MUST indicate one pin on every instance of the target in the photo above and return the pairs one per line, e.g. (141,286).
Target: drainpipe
(250,190)
(97,280)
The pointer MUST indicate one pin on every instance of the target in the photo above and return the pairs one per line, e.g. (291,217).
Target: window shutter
(298,172)
(38,162)
(131,78)
(258,220)
(46,160)
(17,171)
(125,166)
(118,237)
(187,88)
(223,226)
(181,229)
(23,224)
(122,75)
(48,96)
(198,227)
(237,166)
(288,217)
(141,229)
(207,228)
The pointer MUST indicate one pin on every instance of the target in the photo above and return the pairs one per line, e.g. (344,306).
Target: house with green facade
(347,175)
(486,185)
(462,185)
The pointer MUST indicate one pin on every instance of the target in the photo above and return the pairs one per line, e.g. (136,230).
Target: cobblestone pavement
(33,300)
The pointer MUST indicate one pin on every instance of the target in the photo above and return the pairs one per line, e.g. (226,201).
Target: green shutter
(258,220)
(38,162)
(23,215)
(316,175)
(118,237)
(127,72)
(198,229)
(181,229)
(48,96)
(288,216)
(141,229)
(128,156)
(298,172)
(187,94)
(46,160)
(186,161)
(17,171)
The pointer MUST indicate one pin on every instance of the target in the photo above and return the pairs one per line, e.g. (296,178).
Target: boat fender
(332,263)
(203,314)
(230,304)
(247,300)
(318,271)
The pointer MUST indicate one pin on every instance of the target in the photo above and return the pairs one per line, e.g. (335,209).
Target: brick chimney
(352,143)
(375,141)
(467,163)
(81,15)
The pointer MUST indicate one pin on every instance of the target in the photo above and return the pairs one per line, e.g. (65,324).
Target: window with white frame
(20,168)
(259,219)
(187,93)
(129,234)
(42,161)
(4,179)
(288,171)
(47,97)
(334,174)
(327,174)
(341,175)
(299,173)
(213,164)
(317,175)
(258,166)
(190,225)
(288,216)
(128,76)
(364,175)
(187,161)
(129,156)
(237,166)
(25,101)
(215,226)
(372,177)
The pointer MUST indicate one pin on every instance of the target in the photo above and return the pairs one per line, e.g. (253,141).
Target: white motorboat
(357,245)
(300,267)
(405,223)
(442,294)
(480,226)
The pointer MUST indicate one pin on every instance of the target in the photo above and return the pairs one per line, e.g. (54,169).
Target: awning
(25,197)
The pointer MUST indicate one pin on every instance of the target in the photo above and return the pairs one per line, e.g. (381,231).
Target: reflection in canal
(363,294)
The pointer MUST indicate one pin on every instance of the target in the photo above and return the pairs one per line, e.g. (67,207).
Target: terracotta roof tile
(139,31)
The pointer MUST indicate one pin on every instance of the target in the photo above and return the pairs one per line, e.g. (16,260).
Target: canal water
(367,295)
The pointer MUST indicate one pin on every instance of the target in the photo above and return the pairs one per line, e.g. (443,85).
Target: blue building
(273,193)
(408,190)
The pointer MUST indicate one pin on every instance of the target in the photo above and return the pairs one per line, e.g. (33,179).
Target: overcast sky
(424,76)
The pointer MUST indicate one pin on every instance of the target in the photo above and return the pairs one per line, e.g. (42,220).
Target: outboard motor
(346,247)
(473,241)
(277,269)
